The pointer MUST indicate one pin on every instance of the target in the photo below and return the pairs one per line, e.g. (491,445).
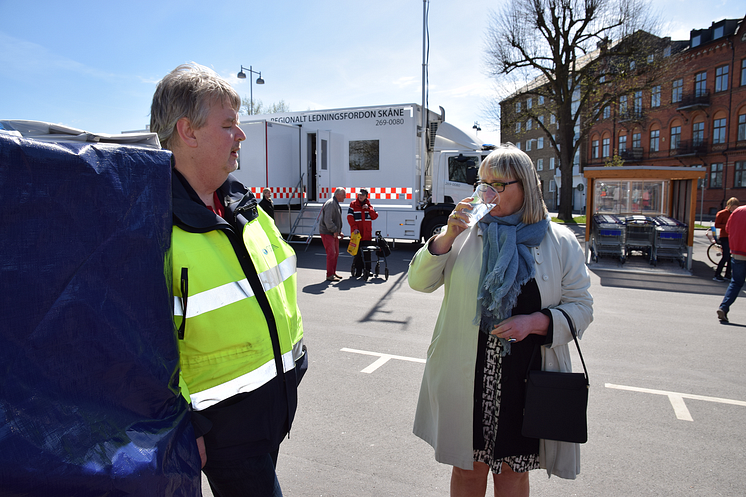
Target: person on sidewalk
(266,203)
(330,228)
(360,215)
(736,228)
(721,221)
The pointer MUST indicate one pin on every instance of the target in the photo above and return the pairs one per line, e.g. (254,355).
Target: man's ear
(186,132)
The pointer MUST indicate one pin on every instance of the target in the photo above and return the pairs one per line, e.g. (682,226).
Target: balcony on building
(690,148)
(697,99)
(633,154)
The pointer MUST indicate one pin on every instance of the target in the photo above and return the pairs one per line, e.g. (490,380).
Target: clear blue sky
(94,65)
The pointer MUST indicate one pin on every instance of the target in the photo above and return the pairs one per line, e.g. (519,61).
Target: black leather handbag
(556,403)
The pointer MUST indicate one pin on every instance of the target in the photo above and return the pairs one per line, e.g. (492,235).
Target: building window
(529,103)
(696,40)
(742,127)
(655,96)
(655,140)
(540,143)
(721,78)
(528,145)
(716,175)
(718,131)
(529,124)
(539,164)
(623,105)
(636,140)
(622,144)
(541,119)
(740,179)
(594,149)
(518,107)
(518,145)
(552,119)
(605,147)
(607,112)
(518,127)
(638,103)
(698,134)
(743,72)
(541,100)
(551,163)
(675,137)
(677,91)
(700,84)
(718,33)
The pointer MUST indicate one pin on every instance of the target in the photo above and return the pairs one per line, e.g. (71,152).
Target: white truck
(303,156)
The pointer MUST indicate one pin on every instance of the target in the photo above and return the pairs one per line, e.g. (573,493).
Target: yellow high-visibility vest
(226,347)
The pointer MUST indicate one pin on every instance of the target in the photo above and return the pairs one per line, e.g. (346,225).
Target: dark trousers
(734,289)
(363,256)
(250,477)
(725,259)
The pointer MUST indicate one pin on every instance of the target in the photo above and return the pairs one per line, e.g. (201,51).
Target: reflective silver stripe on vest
(230,293)
(247,382)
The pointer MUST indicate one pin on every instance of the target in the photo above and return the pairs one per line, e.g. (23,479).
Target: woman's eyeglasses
(498,185)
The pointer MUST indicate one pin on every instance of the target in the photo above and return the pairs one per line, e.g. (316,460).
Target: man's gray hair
(340,190)
(507,161)
(188,91)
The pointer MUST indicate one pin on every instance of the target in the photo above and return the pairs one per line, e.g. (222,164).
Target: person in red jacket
(720,223)
(359,215)
(736,227)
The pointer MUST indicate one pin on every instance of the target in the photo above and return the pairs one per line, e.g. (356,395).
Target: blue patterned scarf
(507,264)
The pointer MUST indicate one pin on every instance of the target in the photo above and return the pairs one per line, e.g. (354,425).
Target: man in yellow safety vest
(235,291)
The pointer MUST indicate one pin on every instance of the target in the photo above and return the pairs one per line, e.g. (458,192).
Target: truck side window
(462,169)
(364,155)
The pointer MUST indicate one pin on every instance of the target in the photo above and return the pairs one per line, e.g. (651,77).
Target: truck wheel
(434,226)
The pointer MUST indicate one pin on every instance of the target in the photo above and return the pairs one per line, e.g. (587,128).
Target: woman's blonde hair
(507,161)
(733,202)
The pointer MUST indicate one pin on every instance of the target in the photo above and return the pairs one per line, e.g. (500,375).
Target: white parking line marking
(382,359)
(677,399)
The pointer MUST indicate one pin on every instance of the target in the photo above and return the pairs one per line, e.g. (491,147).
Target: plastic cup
(485,198)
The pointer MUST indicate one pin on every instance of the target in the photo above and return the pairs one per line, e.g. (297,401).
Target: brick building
(695,117)
(524,131)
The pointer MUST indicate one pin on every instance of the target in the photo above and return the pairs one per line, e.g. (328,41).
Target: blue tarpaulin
(89,397)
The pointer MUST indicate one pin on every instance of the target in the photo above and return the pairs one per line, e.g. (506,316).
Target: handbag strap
(574,337)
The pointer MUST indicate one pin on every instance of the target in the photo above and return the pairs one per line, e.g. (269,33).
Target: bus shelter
(644,191)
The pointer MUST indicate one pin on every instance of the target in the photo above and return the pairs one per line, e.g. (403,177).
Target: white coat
(444,410)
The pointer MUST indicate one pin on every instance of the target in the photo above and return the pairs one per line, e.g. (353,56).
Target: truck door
(462,175)
(322,182)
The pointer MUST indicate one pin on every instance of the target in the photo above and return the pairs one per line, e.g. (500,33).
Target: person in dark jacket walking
(330,229)
(238,325)
(360,215)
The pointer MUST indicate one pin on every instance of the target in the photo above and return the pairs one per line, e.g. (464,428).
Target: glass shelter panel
(627,197)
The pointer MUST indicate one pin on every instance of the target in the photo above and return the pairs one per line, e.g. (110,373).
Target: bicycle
(714,251)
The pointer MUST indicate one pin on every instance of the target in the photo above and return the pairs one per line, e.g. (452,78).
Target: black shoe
(718,278)
(722,316)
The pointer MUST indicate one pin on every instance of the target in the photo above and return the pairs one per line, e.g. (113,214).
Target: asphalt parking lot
(667,403)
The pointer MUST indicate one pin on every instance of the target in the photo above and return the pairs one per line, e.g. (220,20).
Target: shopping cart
(607,237)
(378,247)
(670,240)
(639,236)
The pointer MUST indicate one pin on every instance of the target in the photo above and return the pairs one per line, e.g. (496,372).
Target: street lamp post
(476,127)
(259,81)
